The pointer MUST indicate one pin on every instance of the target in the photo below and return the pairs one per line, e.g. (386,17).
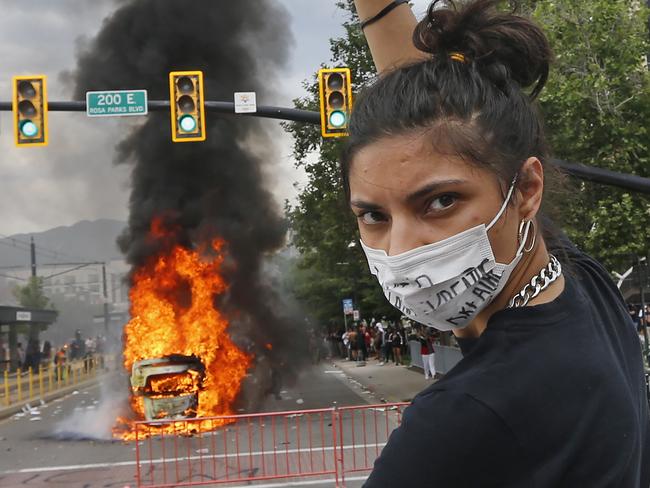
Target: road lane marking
(170,460)
(304,483)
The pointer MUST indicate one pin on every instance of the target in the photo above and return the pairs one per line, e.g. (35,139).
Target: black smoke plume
(211,188)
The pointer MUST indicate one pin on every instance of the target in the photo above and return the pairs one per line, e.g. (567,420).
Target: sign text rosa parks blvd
(116,103)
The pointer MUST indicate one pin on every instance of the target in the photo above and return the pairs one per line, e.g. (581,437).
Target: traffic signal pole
(590,173)
(265,111)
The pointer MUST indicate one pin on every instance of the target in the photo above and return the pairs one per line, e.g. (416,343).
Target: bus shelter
(15,320)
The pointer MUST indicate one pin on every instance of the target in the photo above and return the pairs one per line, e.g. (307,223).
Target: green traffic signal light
(337,118)
(28,128)
(187,106)
(335,97)
(187,123)
(29,106)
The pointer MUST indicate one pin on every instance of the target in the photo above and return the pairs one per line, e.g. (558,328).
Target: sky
(74,178)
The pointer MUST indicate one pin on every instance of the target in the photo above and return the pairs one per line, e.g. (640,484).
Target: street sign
(356,315)
(116,103)
(23,316)
(347,306)
(245,102)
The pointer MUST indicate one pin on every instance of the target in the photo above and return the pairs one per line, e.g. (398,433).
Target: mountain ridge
(85,240)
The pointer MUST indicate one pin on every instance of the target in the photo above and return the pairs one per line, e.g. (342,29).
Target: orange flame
(172,305)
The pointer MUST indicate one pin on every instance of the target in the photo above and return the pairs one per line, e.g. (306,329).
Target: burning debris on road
(169,386)
(182,359)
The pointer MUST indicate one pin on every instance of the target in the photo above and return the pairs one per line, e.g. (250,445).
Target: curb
(6,412)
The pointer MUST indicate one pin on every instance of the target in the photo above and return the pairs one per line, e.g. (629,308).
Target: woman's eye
(442,202)
(371,218)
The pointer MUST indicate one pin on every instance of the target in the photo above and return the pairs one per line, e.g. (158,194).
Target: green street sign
(116,103)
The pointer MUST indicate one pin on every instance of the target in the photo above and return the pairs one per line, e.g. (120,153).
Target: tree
(597,111)
(330,268)
(31,295)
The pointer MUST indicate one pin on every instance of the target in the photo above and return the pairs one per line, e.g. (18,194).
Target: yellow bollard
(19,384)
(50,377)
(40,381)
(58,377)
(74,375)
(30,379)
(7,399)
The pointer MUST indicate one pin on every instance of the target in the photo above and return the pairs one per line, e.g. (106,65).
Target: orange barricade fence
(321,444)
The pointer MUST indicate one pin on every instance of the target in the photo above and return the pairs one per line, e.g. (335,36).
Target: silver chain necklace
(539,283)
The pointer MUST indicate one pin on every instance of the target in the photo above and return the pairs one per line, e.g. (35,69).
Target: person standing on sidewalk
(425,352)
(445,170)
(431,340)
(396,345)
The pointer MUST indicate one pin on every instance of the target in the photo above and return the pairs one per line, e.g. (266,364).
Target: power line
(13,277)
(43,250)
(84,265)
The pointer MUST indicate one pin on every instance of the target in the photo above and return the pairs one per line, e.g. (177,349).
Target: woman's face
(405,195)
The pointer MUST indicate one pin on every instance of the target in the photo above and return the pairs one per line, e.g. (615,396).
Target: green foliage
(31,295)
(597,112)
(322,224)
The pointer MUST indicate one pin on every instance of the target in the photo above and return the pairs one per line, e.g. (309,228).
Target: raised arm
(389,38)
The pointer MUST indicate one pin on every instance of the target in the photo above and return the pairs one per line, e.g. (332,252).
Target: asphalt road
(36,449)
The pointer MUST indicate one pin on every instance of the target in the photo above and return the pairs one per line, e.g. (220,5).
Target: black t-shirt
(550,395)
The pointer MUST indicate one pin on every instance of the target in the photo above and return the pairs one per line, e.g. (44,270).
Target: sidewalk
(8,411)
(387,383)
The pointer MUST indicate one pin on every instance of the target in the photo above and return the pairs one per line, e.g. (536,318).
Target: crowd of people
(383,340)
(43,353)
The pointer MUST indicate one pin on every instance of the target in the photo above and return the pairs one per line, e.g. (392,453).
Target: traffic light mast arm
(266,111)
(590,173)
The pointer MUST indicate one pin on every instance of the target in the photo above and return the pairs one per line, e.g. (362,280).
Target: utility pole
(32,247)
(105,299)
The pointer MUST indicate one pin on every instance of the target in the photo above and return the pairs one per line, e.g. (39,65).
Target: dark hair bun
(503,46)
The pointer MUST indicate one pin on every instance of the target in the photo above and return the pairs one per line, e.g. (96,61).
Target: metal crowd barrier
(321,444)
(31,384)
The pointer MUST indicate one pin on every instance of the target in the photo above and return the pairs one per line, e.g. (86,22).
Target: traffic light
(335,101)
(30,110)
(186,102)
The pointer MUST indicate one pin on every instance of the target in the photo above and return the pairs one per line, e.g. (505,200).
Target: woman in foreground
(445,171)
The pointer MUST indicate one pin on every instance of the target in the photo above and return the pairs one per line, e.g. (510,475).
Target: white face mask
(445,284)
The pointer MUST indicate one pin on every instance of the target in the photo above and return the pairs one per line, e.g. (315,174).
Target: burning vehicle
(169,386)
(182,361)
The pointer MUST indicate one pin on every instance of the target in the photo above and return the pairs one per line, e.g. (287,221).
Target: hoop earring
(523,233)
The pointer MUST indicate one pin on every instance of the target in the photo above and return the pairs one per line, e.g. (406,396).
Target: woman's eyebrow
(365,205)
(430,188)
